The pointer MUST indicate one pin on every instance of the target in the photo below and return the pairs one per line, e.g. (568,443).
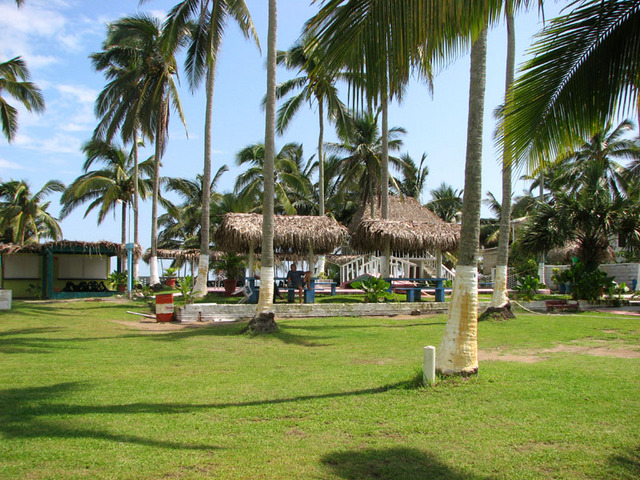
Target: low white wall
(621,272)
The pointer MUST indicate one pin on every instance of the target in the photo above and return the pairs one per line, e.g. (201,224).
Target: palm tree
(361,148)
(414,176)
(265,300)
(180,226)
(142,65)
(205,21)
(23,216)
(590,211)
(289,182)
(314,86)
(584,68)
(500,298)
(433,31)
(109,187)
(14,76)
(446,202)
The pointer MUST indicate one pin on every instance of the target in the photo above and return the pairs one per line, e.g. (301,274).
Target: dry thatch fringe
(405,236)
(293,234)
(88,248)
(187,255)
(400,208)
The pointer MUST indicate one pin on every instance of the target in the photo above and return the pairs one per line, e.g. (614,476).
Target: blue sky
(55,37)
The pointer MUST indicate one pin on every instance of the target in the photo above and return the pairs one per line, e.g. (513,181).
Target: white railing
(398,267)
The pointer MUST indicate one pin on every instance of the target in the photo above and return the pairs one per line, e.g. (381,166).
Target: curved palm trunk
(458,351)
(200,287)
(500,297)
(265,301)
(123,258)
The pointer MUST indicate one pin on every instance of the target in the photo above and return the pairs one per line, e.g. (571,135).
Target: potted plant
(232,267)
(118,281)
(170,274)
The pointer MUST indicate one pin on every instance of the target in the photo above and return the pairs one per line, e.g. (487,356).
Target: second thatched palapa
(295,234)
(411,228)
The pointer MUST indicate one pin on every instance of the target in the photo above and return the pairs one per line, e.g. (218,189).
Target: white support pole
(439,263)
(429,366)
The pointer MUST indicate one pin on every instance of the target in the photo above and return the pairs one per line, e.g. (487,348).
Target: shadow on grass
(28,413)
(628,463)
(393,463)
(16,341)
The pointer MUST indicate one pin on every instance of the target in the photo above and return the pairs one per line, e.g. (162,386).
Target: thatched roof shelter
(89,248)
(411,227)
(295,234)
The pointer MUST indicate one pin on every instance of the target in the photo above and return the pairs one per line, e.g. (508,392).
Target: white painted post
(429,366)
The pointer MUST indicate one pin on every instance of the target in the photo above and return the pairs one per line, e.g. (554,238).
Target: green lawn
(83,396)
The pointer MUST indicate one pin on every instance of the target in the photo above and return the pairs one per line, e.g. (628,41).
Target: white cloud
(8,165)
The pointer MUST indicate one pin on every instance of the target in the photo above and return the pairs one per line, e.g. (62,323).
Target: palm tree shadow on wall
(393,463)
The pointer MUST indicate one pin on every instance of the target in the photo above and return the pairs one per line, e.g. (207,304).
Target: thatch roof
(294,234)
(400,208)
(186,255)
(71,246)
(411,227)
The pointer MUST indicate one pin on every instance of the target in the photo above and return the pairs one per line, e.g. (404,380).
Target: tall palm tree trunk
(500,297)
(458,351)
(136,196)
(321,208)
(154,277)
(123,257)
(265,301)
(200,287)
(384,179)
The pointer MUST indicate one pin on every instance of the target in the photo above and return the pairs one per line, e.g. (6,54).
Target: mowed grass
(83,396)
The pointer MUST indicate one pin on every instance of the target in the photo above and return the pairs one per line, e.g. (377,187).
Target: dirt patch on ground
(602,348)
(167,327)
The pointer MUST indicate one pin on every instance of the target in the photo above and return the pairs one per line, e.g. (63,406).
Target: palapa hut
(45,269)
(294,235)
(181,257)
(412,231)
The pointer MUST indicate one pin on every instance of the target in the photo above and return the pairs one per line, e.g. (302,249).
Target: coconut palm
(142,67)
(414,176)
(109,187)
(446,202)
(180,226)
(584,68)
(205,22)
(500,298)
(314,86)
(435,31)
(598,203)
(289,182)
(265,299)
(361,150)
(14,81)
(23,215)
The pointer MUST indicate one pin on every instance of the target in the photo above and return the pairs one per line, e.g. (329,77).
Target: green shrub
(375,289)
(527,287)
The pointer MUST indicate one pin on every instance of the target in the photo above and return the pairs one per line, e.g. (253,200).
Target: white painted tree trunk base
(458,351)
(154,279)
(200,287)
(265,299)
(500,296)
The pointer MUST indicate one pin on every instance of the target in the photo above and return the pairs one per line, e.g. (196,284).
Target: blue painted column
(129,247)
(440,289)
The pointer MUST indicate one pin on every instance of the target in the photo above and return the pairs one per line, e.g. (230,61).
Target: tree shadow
(393,463)
(29,413)
(627,464)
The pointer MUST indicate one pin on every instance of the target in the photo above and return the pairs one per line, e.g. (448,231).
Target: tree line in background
(557,111)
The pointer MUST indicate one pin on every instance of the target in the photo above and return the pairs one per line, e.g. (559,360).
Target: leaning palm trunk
(200,287)
(458,352)
(500,297)
(265,301)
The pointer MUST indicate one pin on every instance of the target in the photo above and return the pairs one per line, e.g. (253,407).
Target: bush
(585,284)
(527,287)
(375,289)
